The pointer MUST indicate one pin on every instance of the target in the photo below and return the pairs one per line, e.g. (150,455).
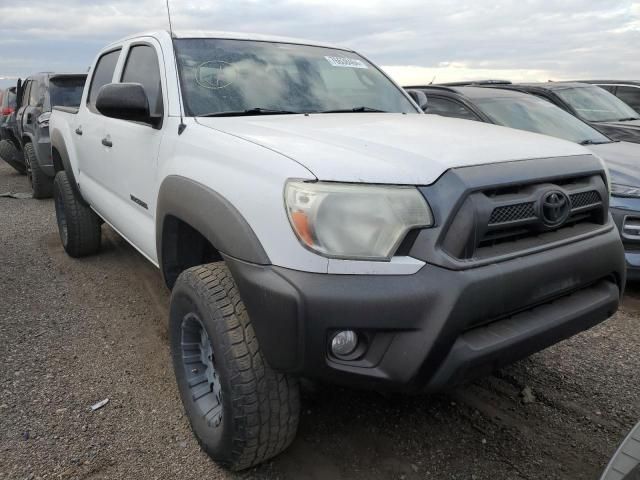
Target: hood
(622,160)
(390,148)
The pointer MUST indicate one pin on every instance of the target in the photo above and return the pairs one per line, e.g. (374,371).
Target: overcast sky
(413,40)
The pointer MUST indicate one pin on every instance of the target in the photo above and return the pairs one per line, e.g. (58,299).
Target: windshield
(66,92)
(596,105)
(236,75)
(537,115)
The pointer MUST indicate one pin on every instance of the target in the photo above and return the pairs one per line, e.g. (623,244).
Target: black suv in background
(626,90)
(9,143)
(36,97)
(590,103)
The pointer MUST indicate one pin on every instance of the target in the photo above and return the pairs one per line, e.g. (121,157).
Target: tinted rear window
(66,92)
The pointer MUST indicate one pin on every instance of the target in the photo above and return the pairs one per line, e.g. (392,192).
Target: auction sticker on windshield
(345,62)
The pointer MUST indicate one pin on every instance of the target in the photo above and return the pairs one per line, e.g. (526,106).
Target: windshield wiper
(628,119)
(248,112)
(593,142)
(355,110)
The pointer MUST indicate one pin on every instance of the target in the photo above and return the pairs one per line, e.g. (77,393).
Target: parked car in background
(10,150)
(311,221)
(7,108)
(527,112)
(3,93)
(590,103)
(39,93)
(626,90)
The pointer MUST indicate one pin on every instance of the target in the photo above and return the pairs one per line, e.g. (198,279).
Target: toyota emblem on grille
(555,208)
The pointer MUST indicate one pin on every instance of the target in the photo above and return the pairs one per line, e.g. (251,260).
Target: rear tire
(78,225)
(241,411)
(41,184)
(10,154)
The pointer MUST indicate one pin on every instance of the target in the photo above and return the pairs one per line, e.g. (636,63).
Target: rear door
(24,105)
(89,131)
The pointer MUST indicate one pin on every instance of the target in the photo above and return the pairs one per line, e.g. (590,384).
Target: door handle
(28,118)
(106,141)
(79,130)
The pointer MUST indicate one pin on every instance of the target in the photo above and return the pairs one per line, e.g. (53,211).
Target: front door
(130,150)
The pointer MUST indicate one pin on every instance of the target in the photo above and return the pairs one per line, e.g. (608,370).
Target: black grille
(512,213)
(584,199)
(501,220)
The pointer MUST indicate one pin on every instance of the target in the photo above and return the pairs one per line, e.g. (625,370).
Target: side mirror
(419,97)
(125,101)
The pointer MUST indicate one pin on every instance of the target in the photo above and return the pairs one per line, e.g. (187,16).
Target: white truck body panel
(247,160)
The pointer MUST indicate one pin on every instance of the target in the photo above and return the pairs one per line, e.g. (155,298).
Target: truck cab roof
(177,34)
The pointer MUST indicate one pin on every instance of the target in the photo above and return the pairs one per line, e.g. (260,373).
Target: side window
(102,74)
(608,88)
(449,108)
(630,96)
(142,67)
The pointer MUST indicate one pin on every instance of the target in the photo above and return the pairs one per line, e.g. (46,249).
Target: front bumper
(624,211)
(437,327)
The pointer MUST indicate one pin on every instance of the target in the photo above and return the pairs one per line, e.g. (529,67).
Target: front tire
(78,225)
(10,154)
(41,184)
(241,411)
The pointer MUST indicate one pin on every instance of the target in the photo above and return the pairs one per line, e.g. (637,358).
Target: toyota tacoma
(312,222)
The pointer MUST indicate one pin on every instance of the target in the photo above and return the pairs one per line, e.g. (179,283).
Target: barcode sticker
(345,62)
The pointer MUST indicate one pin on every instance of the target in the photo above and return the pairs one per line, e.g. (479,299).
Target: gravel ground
(74,332)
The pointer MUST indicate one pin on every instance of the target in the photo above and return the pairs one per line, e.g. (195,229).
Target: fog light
(344,343)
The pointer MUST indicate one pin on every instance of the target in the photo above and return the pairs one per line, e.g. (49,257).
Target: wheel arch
(196,225)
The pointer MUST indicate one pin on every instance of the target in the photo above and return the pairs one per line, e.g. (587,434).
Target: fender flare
(209,213)
(23,142)
(57,144)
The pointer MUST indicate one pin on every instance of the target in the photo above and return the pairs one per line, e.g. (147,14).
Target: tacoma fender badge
(139,202)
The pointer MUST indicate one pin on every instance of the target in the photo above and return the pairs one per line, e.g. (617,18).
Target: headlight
(618,190)
(354,221)
(43,120)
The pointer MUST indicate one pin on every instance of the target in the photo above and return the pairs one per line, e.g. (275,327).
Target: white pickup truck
(312,222)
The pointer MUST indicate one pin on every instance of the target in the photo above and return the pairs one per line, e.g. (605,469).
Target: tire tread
(10,154)
(83,225)
(266,402)
(41,184)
